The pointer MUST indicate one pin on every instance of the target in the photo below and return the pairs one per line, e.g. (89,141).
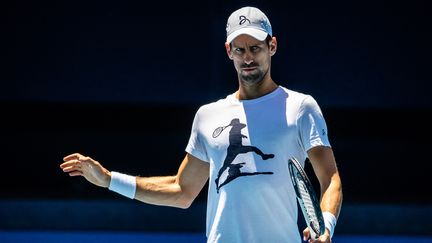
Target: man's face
(251,58)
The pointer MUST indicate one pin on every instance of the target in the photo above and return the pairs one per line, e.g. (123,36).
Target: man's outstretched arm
(176,191)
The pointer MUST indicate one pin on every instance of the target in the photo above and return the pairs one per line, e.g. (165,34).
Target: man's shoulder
(296,95)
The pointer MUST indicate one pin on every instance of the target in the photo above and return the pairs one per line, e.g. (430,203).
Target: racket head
(217,132)
(307,199)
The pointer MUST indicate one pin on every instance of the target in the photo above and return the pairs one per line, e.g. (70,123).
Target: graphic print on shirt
(235,148)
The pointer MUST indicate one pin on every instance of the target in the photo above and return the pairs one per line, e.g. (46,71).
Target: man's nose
(248,58)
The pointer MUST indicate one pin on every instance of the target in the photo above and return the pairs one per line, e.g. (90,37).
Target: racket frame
(295,167)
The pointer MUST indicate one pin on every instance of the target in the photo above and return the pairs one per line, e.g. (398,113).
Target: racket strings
(307,199)
(308,205)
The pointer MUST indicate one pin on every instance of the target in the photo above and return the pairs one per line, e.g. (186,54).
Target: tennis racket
(307,199)
(218,131)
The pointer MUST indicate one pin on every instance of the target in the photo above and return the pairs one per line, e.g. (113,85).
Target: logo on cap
(250,21)
(243,19)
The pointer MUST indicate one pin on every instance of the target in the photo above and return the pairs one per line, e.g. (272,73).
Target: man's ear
(273,46)
(228,50)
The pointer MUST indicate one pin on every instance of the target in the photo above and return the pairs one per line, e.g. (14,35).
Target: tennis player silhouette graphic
(235,148)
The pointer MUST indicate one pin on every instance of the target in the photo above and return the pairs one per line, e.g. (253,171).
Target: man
(242,143)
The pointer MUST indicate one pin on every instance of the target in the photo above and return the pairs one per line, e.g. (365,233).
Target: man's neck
(247,92)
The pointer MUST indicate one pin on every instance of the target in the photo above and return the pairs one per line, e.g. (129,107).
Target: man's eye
(238,50)
(254,48)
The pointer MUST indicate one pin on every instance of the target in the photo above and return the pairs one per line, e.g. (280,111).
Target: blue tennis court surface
(115,221)
(381,239)
(92,237)
(139,237)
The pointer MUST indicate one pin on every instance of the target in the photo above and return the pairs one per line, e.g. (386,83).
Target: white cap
(250,21)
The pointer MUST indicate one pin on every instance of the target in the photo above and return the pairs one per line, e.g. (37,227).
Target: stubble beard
(254,78)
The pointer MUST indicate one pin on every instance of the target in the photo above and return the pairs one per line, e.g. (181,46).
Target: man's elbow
(184,206)
(184,202)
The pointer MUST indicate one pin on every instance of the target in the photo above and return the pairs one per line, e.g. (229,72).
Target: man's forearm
(161,191)
(331,200)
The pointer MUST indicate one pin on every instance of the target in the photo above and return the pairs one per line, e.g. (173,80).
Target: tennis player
(242,143)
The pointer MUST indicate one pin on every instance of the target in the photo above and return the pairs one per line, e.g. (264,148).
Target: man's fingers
(73,164)
(70,163)
(72,156)
(72,168)
(76,173)
(306,234)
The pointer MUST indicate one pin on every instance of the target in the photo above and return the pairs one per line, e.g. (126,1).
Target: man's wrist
(123,184)
(329,222)
(106,179)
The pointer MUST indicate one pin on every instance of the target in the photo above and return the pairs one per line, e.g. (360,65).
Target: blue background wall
(346,53)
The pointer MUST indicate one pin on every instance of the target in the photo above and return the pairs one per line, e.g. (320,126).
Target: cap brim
(255,33)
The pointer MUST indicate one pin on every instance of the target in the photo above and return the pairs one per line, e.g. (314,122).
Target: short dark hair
(268,39)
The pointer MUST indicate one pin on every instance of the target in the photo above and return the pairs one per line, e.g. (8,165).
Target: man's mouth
(248,69)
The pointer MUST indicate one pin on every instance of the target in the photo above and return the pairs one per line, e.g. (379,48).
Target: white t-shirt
(251,197)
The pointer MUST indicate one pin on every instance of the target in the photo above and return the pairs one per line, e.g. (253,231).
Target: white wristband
(123,184)
(330,222)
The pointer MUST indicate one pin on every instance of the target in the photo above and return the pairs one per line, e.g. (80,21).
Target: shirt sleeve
(311,125)
(196,146)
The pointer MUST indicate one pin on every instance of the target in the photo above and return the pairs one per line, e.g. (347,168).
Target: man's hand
(323,238)
(79,165)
